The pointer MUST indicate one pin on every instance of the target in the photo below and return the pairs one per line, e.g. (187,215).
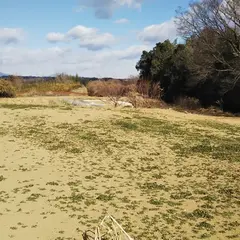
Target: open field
(162,174)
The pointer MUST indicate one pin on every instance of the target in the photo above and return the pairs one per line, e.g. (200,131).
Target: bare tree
(114,90)
(213,28)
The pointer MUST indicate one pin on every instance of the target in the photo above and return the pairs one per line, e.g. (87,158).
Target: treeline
(59,78)
(206,66)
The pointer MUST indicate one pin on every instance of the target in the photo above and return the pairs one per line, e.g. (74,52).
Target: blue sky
(89,37)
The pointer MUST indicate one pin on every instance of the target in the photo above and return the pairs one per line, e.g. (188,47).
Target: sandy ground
(63,168)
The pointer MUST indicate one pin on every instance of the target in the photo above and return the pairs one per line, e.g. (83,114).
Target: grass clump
(75,198)
(154,186)
(6,89)
(199,213)
(34,196)
(156,202)
(126,125)
(105,197)
(2,178)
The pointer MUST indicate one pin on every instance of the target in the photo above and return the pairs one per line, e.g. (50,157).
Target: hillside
(3,74)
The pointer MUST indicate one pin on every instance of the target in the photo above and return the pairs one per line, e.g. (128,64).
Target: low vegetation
(6,89)
(163,174)
(62,84)
(48,88)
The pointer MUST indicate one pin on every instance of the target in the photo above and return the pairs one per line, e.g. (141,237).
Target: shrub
(151,103)
(188,103)
(132,97)
(113,89)
(16,81)
(96,88)
(143,87)
(48,87)
(65,78)
(6,89)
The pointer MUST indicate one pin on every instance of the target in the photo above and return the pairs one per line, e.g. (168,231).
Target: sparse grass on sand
(162,174)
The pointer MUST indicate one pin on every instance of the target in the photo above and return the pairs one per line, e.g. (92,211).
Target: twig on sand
(109,228)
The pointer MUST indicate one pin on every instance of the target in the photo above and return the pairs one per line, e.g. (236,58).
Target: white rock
(124,104)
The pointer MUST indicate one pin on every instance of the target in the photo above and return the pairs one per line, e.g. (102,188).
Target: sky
(91,38)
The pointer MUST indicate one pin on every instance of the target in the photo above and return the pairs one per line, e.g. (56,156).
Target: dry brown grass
(47,88)
(188,103)
(113,89)
(6,89)
(16,81)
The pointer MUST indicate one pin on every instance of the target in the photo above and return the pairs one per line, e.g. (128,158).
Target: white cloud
(81,32)
(48,61)
(159,32)
(89,38)
(18,56)
(97,42)
(11,35)
(105,8)
(131,53)
(122,20)
(56,37)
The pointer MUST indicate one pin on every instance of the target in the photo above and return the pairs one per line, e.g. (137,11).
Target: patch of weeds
(88,136)
(52,183)
(210,198)
(157,176)
(105,197)
(34,196)
(167,218)
(182,195)
(66,108)
(224,150)
(2,178)
(204,225)
(198,213)
(148,168)
(13,228)
(24,106)
(26,190)
(160,127)
(90,177)
(205,235)
(227,191)
(76,197)
(156,202)
(108,176)
(154,186)
(132,206)
(230,129)
(3,196)
(3,131)
(184,174)
(173,204)
(74,184)
(89,202)
(125,199)
(126,125)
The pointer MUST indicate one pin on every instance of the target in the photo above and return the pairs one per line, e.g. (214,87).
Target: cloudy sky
(102,38)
